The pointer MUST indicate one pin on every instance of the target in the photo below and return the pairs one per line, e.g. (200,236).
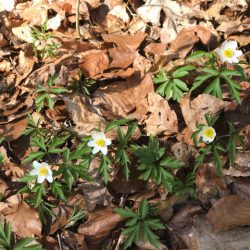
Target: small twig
(77,20)
(59,241)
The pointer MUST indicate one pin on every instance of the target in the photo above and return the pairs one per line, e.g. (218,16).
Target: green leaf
(143,208)
(171,162)
(35,155)
(126,213)
(116,123)
(104,168)
(57,190)
(20,245)
(182,71)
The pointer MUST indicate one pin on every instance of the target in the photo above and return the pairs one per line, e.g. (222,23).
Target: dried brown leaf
(209,185)
(162,120)
(230,211)
(127,42)
(98,227)
(125,99)
(194,111)
(24,219)
(94,63)
(83,114)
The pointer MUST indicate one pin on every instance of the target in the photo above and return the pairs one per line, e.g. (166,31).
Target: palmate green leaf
(171,85)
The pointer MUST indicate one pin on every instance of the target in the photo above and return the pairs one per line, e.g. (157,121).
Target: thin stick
(77,20)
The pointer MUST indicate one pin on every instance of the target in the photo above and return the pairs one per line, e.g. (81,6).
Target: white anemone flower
(43,171)
(7,5)
(207,134)
(228,52)
(99,143)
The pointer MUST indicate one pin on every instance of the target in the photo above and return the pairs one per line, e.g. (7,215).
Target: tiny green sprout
(140,225)
(81,85)
(9,242)
(155,165)
(44,44)
(44,94)
(171,85)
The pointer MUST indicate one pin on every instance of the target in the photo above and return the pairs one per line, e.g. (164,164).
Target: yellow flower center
(43,171)
(209,132)
(228,53)
(100,142)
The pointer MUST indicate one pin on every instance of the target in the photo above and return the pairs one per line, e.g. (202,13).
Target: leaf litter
(105,56)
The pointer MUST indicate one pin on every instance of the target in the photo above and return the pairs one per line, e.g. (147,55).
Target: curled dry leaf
(230,211)
(83,114)
(94,63)
(125,99)
(98,227)
(209,185)
(162,120)
(127,42)
(241,167)
(194,111)
(94,191)
(24,219)
(187,38)
(184,217)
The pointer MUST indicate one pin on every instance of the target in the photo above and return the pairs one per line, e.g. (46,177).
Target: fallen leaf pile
(113,56)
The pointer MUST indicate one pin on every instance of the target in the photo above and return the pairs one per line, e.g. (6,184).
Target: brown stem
(77,19)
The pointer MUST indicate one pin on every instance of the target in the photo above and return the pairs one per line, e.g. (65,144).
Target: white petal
(104,150)
(36,164)
(107,141)
(238,53)
(40,179)
(34,171)
(49,178)
(49,171)
(91,143)
(98,135)
(95,150)
(232,45)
